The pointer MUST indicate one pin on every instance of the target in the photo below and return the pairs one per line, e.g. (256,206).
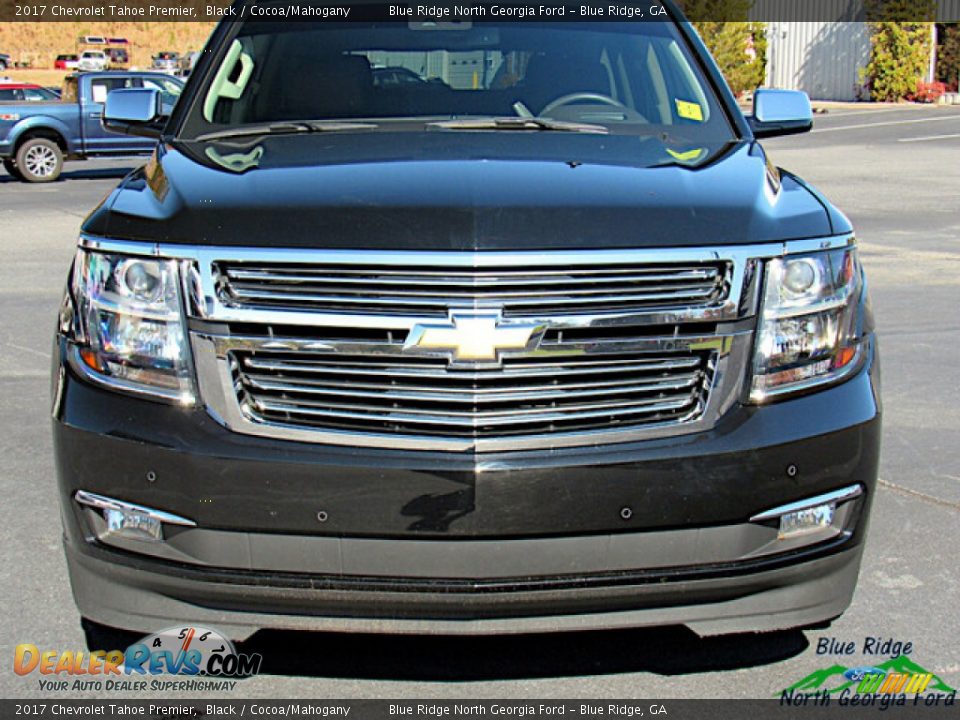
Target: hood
(459,191)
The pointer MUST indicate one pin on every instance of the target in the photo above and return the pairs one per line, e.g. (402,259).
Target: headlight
(808,333)
(128,329)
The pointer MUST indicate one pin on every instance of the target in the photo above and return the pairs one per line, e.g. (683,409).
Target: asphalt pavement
(894,170)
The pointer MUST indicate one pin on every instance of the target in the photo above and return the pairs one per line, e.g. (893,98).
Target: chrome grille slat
(475,301)
(519,291)
(250,290)
(280,277)
(479,276)
(473,420)
(511,370)
(459,395)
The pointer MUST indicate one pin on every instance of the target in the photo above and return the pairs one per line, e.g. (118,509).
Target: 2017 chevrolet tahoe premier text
(543,342)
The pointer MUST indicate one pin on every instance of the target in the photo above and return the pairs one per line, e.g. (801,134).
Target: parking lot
(894,170)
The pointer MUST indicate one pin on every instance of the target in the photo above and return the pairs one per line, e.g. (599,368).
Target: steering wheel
(577,97)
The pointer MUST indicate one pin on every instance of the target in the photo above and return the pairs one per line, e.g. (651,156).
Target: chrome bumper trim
(837,496)
(102,502)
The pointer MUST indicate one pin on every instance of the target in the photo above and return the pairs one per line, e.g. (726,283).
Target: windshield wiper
(286,128)
(518,123)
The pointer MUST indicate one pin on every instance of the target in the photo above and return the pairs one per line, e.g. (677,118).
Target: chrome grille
(517,291)
(529,395)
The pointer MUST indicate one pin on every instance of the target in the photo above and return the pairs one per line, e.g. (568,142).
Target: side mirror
(780,112)
(134,111)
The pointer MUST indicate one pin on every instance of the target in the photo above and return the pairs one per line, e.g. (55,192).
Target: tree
(740,50)
(738,46)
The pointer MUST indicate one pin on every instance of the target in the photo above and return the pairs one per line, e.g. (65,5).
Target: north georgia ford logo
(181,650)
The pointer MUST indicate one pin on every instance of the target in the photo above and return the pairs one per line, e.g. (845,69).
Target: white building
(820,46)
(821,58)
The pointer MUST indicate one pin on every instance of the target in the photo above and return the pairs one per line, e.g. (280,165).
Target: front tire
(12,170)
(40,160)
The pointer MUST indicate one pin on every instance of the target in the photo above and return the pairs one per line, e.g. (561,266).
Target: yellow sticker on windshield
(689,110)
(688,156)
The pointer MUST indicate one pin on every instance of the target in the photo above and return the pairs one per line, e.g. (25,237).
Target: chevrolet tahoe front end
(372,365)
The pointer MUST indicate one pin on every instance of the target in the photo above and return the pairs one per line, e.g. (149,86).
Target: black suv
(544,342)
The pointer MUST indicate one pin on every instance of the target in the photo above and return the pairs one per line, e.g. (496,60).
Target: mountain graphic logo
(900,674)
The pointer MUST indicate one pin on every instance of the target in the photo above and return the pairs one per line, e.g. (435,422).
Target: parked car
(166,62)
(118,51)
(25,92)
(5,61)
(66,62)
(93,61)
(36,137)
(391,76)
(118,57)
(551,346)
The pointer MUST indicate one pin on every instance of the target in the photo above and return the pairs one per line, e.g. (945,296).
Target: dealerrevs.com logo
(204,655)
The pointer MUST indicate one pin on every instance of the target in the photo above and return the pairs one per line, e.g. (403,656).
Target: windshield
(628,77)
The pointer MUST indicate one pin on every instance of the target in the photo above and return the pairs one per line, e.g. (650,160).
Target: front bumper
(769,597)
(450,543)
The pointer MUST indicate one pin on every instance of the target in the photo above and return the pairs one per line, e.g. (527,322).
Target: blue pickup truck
(37,137)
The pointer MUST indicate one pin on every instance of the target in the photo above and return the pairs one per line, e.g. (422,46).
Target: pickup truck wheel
(12,170)
(40,160)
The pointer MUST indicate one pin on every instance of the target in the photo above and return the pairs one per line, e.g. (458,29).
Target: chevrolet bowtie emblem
(474,337)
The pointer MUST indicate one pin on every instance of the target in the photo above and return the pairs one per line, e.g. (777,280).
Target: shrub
(928,92)
(899,59)
(899,50)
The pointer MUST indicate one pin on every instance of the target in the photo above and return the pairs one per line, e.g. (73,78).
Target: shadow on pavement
(664,651)
(78,174)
